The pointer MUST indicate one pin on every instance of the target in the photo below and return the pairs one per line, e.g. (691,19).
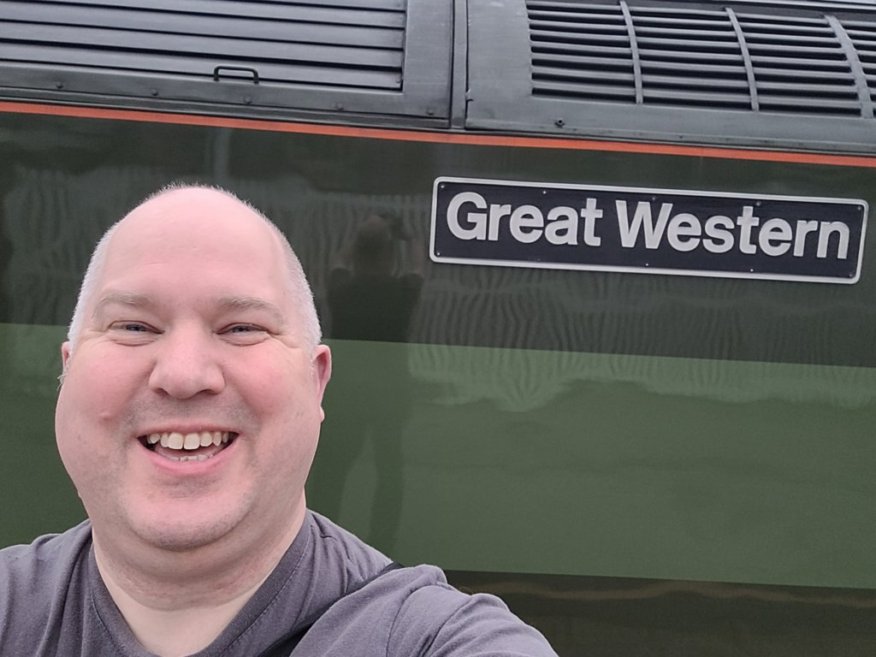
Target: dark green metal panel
(687,459)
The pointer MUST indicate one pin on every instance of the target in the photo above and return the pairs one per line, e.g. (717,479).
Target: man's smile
(191,446)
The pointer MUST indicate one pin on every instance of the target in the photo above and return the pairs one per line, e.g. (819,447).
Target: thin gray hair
(299,289)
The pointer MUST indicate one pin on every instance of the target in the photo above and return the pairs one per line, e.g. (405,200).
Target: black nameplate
(657,231)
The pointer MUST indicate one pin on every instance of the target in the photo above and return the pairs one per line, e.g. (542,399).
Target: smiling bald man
(188,417)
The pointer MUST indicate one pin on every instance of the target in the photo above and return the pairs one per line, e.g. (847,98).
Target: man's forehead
(193,220)
(194,236)
(191,198)
(193,206)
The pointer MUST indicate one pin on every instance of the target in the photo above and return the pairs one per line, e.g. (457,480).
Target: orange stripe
(435,137)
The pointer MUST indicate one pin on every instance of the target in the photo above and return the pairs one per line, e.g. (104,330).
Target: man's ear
(66,352)
(322,371)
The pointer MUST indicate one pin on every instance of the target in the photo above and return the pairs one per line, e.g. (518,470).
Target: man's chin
(179,532)
(184,537)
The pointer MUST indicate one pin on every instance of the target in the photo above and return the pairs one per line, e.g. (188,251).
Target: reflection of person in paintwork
(375,282)
(187,418)
(373,289)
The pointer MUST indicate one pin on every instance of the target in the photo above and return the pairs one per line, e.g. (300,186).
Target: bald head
(181,219)
(192,399)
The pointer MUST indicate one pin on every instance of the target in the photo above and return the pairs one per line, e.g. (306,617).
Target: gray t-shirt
(53,602)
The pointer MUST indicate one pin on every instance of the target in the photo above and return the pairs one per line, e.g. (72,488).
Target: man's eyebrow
(252,303)
(131,299)
(228,303)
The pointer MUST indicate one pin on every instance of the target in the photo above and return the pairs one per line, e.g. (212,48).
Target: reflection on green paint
(549,462)
(571,463)
(37,496)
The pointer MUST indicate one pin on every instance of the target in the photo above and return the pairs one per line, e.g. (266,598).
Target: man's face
(191,338)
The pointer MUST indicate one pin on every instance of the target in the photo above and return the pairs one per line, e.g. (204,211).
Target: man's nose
(187,363)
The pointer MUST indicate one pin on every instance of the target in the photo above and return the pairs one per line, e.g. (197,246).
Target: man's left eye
(243,328)
(244,333)
(131,327)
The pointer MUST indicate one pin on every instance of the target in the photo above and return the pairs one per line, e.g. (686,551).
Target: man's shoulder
(414,611)
(435,617)
(36,579)
(47,554)
(48,545)
(410,610)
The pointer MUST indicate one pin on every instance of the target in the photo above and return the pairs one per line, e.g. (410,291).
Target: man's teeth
(176,440)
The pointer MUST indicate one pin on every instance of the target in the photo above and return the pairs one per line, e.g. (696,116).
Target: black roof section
(368,57)
(799,75)
(756,73)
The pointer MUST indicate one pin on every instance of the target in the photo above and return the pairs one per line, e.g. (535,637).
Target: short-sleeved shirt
(53,602)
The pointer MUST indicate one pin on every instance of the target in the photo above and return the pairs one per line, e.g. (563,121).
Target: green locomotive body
(605,392)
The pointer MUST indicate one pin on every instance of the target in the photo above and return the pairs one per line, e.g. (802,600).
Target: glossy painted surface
(613,617)
(550,426)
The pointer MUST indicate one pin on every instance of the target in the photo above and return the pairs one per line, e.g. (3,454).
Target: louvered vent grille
(698,57)
(690,58)
(352,44)
(799,65)
(863,36)
(583,53)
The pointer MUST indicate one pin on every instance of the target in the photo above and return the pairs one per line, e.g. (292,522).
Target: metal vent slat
(547,27)
(592,57)
(585,62)
(542,36)
(791,103)
(774,65)
(682,25)
(603,77)
(823,89)
(795,53)
(719,75)
(686,45)
(714,84)
(652,54)
(580,14)
(596,92)
(651,31)
(670,97)
(781,30)
(827,74)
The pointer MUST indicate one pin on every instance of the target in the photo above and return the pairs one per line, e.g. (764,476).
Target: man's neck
(177,632)
(179,606)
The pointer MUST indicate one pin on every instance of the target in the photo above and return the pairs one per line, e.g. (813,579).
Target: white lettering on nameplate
(655,231)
